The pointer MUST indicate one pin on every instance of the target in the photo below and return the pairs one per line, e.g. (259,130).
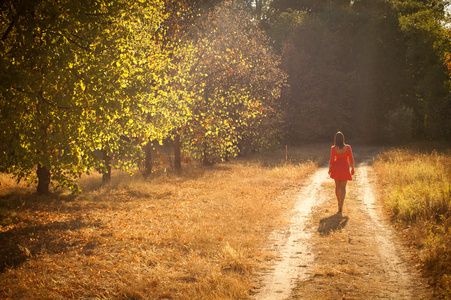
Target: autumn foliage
(235,83)
(86,87)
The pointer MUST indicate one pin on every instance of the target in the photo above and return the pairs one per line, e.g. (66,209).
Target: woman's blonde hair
(339,140)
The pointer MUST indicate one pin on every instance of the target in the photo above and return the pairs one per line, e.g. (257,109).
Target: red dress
(340,164)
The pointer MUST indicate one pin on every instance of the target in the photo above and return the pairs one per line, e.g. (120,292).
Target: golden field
(198,234)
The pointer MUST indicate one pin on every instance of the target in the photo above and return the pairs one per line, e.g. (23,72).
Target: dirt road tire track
(295,255)
(356,255)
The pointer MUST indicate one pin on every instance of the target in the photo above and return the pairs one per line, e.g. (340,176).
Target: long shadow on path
(332,223)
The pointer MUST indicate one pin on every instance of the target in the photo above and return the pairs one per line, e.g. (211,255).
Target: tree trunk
(43,180)
(107,174)
(258,9)
(148,159)
(205,156)
(226,156)
(177,153)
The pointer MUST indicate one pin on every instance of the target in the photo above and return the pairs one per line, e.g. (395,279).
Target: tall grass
(418,192)
(200,234)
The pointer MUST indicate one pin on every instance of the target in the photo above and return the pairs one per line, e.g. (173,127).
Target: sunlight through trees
(96,84)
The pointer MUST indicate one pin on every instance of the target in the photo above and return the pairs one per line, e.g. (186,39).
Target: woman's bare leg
(342,189)
(338,192)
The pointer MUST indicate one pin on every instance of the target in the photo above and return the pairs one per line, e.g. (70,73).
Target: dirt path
(296,256)
(355,255)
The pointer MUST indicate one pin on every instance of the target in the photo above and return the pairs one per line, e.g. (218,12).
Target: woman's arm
(351,160)
(331,160)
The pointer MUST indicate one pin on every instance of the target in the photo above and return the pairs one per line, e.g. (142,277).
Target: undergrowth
(417,191)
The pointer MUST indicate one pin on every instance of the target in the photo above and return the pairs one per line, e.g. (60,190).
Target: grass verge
(417,192)
(195,235)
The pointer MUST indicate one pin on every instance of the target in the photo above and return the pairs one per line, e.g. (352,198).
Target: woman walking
(340,159)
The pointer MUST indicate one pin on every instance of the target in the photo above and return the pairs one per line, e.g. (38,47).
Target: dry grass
(195,235)
(9,185)
(418,184)
(418,189)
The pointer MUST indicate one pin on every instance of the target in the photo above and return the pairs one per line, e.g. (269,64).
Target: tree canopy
(236,82)
(83,82)
(76,77)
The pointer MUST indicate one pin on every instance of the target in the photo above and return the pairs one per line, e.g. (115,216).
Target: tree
(235,81)
(354,66)
(76,77)
(427,44)
(311,6)
(281,26)
(321,83)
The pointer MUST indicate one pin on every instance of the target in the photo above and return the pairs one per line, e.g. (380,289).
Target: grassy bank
(417,191)
(195,235)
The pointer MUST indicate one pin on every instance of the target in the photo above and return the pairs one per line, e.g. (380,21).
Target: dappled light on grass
(201,232)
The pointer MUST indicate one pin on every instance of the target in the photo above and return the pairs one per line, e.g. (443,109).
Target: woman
(340,159)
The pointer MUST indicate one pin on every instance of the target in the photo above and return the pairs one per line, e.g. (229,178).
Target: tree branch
(96,14)
(41,96)
(70,40)
(11,25)
(8,30)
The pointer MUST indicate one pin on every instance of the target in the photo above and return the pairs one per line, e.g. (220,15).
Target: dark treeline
(373,69)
